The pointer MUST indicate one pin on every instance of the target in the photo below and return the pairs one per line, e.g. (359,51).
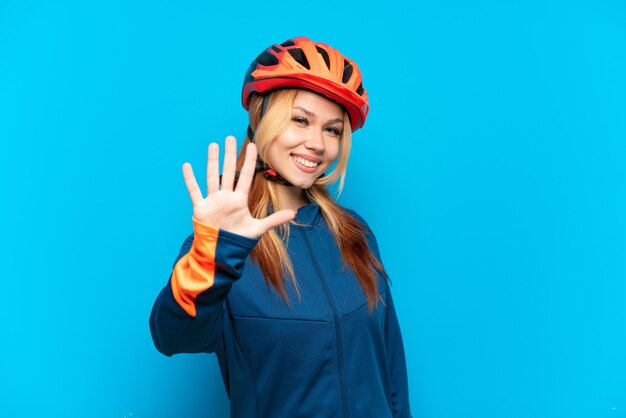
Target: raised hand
(226,207)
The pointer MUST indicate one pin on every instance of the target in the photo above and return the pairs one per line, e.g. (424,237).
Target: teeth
(306,163)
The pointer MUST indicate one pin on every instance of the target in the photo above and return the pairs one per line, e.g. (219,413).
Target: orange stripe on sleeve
(195,271)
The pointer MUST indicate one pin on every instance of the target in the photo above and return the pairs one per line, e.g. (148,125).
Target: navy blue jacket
(324,356)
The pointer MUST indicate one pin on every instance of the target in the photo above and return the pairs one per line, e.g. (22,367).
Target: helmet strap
(268,172)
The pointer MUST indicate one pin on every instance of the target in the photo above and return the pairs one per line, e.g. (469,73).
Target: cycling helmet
(302,63)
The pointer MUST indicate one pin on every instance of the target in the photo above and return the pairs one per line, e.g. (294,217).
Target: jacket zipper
(337,323)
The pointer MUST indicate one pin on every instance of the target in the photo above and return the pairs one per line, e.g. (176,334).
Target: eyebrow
(311,114)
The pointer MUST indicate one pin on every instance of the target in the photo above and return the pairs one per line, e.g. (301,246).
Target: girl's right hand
(227,208)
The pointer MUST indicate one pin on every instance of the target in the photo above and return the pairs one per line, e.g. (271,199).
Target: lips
(307,164)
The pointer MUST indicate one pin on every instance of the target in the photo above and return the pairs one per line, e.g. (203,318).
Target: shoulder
(369,234)
(359,219)
(372,243)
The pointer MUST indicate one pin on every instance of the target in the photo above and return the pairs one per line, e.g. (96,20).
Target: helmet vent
(324,55)
(347,71)
(300,63)
(266,59)
(298,55)
(360,90)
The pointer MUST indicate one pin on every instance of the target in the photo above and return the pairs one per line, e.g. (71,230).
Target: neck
(290,197)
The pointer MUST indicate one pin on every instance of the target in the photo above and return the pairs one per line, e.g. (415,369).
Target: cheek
(289,139)
(332,149)
(279,146)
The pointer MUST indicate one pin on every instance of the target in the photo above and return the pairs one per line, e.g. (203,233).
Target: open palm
(226,207)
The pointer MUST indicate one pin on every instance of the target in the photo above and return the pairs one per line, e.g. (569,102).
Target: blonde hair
(271,252)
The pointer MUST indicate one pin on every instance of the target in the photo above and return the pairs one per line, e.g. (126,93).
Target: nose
(315,142)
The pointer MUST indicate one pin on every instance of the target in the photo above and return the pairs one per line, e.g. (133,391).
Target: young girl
(281,282)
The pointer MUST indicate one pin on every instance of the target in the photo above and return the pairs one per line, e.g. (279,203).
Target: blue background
(492,170)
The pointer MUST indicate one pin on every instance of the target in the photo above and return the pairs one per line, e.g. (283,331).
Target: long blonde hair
(270,253)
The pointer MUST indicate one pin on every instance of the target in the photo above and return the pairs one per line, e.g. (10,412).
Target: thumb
(277,218)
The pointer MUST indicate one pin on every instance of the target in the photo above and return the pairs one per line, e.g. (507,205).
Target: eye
(300,120)
(335,131)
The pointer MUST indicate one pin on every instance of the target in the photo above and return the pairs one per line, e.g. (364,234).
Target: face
(311,142)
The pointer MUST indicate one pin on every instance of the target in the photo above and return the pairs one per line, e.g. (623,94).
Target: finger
(277,218)
(192,186)
(213,168)
(230,159)
(248,169)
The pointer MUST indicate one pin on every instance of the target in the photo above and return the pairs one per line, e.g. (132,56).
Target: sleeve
(187,316)
(393,340)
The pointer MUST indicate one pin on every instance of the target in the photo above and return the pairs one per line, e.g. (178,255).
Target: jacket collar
(309,214)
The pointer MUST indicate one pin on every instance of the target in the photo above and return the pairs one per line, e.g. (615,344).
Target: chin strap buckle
(269,173)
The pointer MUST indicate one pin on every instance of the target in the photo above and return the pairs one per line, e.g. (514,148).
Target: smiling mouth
(304,165)
(305,162)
